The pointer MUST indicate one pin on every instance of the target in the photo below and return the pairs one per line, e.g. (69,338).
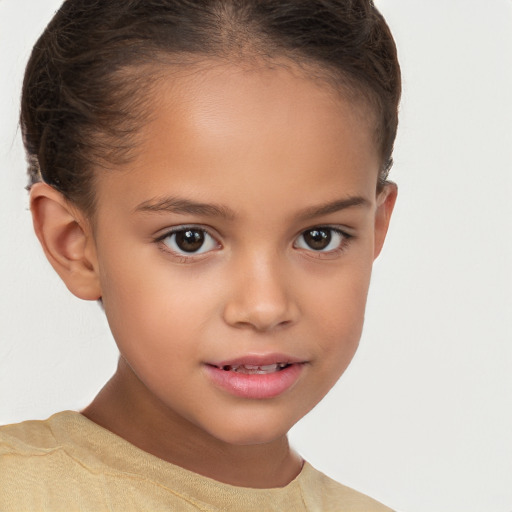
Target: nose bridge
(260,292)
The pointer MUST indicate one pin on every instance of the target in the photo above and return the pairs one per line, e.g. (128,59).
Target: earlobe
(385,203)
(66,238)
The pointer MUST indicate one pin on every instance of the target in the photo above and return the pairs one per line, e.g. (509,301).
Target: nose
(260,296)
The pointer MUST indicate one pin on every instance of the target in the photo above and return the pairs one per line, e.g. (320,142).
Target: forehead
(222,125)
(220,91)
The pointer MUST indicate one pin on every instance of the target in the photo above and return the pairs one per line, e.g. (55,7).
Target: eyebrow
(188,207)
(184,206)
(333,207)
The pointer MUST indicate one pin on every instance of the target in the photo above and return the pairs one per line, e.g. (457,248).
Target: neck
(127,408)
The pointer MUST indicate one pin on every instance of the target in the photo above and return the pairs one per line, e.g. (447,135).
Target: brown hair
(82,101)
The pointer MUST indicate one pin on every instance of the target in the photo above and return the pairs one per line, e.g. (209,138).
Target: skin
(269,148)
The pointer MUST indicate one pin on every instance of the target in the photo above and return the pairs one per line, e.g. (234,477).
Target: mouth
(251,369)
(256,377)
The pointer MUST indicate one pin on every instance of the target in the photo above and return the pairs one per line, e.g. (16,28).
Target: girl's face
(234,254)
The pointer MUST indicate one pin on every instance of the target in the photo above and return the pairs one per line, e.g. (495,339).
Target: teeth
(269,368)
(256,369)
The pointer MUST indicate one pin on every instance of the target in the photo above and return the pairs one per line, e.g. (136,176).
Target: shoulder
(69,463)
(35,459)
(36,437)
(29,437)
(323,493)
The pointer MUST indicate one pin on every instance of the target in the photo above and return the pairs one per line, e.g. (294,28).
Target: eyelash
(344,242)
(182,257)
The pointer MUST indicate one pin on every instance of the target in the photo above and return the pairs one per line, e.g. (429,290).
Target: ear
(66,237)
(385,203)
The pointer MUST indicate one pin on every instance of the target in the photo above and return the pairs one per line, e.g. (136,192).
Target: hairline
(150,74)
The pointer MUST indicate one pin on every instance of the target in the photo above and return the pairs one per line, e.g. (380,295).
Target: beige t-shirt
(68,463)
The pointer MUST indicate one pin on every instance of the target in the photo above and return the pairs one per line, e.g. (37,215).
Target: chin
(251,432)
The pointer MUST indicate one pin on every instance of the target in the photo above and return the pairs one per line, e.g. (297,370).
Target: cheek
(339,319)
(341,302)
(136,301)
(154,309)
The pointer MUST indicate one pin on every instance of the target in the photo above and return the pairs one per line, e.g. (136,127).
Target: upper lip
(258,360)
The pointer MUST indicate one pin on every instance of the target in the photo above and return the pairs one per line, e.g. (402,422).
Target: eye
(321,239)
(189,240)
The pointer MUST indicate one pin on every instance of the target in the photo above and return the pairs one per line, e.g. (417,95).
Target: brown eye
(317,239)
(190,241)
(321,239)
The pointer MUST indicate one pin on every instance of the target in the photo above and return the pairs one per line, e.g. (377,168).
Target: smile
(256,378)
(250,369)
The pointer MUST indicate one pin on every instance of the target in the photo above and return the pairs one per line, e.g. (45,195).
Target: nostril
(261,299)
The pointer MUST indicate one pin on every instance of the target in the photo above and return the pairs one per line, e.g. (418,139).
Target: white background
(422,420)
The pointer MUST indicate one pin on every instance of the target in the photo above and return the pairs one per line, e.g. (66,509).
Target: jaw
(244,458)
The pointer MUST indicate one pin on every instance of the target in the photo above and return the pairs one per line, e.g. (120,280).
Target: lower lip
(255,386)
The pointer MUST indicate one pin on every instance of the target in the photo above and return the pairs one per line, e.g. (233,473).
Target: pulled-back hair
(89,74)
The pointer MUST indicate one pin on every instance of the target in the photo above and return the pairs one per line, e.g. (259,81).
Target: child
(215,174)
